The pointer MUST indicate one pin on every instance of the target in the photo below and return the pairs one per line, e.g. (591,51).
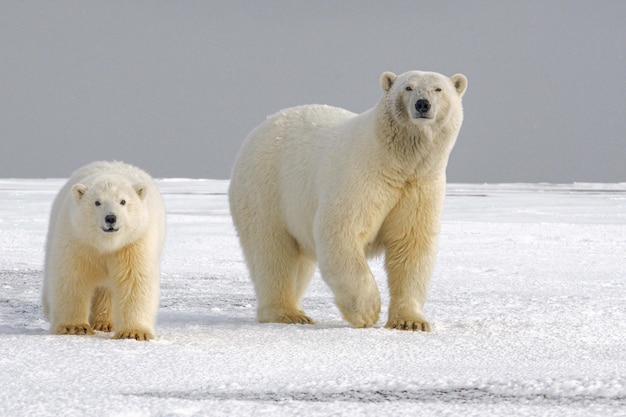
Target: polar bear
(319,185)
(104,242)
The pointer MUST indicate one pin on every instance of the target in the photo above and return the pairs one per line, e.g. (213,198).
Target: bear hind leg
(280,278)
(100,317)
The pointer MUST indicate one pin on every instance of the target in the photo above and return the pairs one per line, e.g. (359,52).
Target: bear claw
(75,329)
(360,322)
(416,326)
(287,317)
(357,315)
(295,318)
(133,334)
(103,327)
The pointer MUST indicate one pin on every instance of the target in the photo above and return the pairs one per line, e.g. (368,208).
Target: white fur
(102,276)
(319,184)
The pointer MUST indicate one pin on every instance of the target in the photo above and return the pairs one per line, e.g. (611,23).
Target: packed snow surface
(527,302)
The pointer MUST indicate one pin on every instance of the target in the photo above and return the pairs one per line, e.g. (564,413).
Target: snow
(528,304)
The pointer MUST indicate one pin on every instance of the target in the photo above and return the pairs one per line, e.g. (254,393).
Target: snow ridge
(458,395)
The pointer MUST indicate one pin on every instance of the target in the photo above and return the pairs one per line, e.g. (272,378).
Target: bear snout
(110,221)
(422,106)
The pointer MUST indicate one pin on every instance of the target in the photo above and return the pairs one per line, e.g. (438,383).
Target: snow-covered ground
(528,303)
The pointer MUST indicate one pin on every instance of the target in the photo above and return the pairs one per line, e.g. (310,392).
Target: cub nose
(110,218)
(422,106)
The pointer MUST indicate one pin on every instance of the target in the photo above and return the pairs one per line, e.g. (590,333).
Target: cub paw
(103,327)
(133,334)
(74,329)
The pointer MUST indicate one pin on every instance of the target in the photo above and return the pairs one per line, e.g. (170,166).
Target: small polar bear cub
(319,185)
(105,237)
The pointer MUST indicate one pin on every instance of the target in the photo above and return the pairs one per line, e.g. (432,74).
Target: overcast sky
(175,86)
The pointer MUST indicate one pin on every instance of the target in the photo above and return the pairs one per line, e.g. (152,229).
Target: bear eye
(97,203)
(438,89)
(408,88)
(123,202)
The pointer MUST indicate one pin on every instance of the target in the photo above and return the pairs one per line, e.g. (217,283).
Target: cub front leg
(135,309)
(135,297)
(70,306)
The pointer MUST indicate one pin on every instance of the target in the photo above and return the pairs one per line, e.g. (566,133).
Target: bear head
(424,98)
(109,215)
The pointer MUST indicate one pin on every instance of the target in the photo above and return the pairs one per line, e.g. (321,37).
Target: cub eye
(97,203)
(409,88)
(438,89)
(123,202)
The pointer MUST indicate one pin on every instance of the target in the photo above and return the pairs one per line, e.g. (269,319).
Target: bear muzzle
(422,108)
(110,220)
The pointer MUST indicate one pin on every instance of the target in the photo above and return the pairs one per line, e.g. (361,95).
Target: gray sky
(174,87)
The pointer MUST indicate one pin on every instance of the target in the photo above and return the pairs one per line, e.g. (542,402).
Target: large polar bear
(104,242)
(319,183)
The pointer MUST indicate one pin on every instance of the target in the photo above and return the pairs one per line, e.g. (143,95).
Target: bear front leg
(135,295)
(135,310)
(70,307)
(409,263)
(350,279)
(408,278)
(135,305)
(341,237)
(410,234)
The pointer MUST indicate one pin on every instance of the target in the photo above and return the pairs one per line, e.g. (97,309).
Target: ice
(528,305)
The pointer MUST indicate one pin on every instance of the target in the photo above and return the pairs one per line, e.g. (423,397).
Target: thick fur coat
(319,185)
(104,243)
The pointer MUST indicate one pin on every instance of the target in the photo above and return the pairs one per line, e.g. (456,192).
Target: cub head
(424,98)
(109,215)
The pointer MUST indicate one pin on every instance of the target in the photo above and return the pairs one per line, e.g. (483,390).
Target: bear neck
(413,151)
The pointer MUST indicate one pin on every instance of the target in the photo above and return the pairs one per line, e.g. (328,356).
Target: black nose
(110,218)
(422,106)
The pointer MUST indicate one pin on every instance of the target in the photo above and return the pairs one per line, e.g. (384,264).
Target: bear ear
(78,191)
(387,80)
(460,83)
(141,190)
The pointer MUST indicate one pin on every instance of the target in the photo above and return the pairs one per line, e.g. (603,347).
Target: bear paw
(358,313)
(416,325)
(267,315)
(74,329)
(362,320)
(103,327)
(133,334)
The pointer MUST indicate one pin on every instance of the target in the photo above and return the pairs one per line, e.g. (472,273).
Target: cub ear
(460,83)
(141,190)
(78,191)
(387,80)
